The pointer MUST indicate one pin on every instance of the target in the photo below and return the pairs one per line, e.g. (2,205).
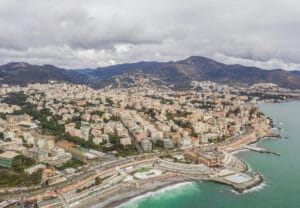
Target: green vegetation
(77,121)
(24,125)
(87,144)
(117,146)
(16,176)
(127,107)
(89,105)
(143,170)
(49,125)
(173,129)
(260,114)
(10,178)
(22,162)
(166,101)
(98,181)
(264,96)
(48,122)
(150,112)
(203,104)
(115,140)
(15,98)
(219,139)
(162,100)
(115,118)
(179,122)
(183,124)
(158,144)
(169,156)
(3,116)
(106,120)
(225,103)
(194,134)
(173,116)
(237,111)
(73,163)
(109,101)
(98,113)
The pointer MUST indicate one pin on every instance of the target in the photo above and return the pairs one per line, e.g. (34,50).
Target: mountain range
(20,73)
(178,74)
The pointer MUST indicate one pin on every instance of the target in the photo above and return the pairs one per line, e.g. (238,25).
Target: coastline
(122,195)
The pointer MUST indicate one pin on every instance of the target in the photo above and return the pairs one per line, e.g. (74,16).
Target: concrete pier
(240,181)
(260,150)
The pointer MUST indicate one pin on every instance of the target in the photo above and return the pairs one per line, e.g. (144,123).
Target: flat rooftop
(9,154)
(17,116)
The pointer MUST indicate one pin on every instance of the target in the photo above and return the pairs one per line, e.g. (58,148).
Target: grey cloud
(74,33)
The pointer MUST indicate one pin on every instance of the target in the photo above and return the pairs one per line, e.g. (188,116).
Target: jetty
(260,150)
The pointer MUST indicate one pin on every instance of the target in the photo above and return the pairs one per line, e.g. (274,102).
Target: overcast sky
(91,33)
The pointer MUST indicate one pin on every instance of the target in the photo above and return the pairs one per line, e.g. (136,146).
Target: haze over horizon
(80,34)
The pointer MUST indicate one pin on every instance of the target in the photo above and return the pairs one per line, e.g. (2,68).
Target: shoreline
(123,196)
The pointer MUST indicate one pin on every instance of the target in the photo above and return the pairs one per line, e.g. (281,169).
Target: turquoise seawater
(281,173)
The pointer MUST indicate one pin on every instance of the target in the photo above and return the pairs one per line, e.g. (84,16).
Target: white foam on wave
(251,190)
(134,201)
(248,165)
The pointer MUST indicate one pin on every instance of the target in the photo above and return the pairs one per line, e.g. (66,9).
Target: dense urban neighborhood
(149,104)
(64,145)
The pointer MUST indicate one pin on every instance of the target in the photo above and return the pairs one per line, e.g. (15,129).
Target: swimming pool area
(238,178)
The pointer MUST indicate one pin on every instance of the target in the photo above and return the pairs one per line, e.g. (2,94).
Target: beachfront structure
(208,158)
(237,143)
(190,169)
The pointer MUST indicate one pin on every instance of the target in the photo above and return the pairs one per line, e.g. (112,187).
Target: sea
(281,188)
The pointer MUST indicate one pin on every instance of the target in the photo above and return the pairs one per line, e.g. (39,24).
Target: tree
(160,143)
(109,101)
(15,98)
(98,181)
(1,135)
(173,129)
(97,112)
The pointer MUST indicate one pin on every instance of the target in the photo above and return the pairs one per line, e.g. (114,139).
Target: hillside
(198,68)
(23,73)
(178,74)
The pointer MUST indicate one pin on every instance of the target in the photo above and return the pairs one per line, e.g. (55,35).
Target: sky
(91,33)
